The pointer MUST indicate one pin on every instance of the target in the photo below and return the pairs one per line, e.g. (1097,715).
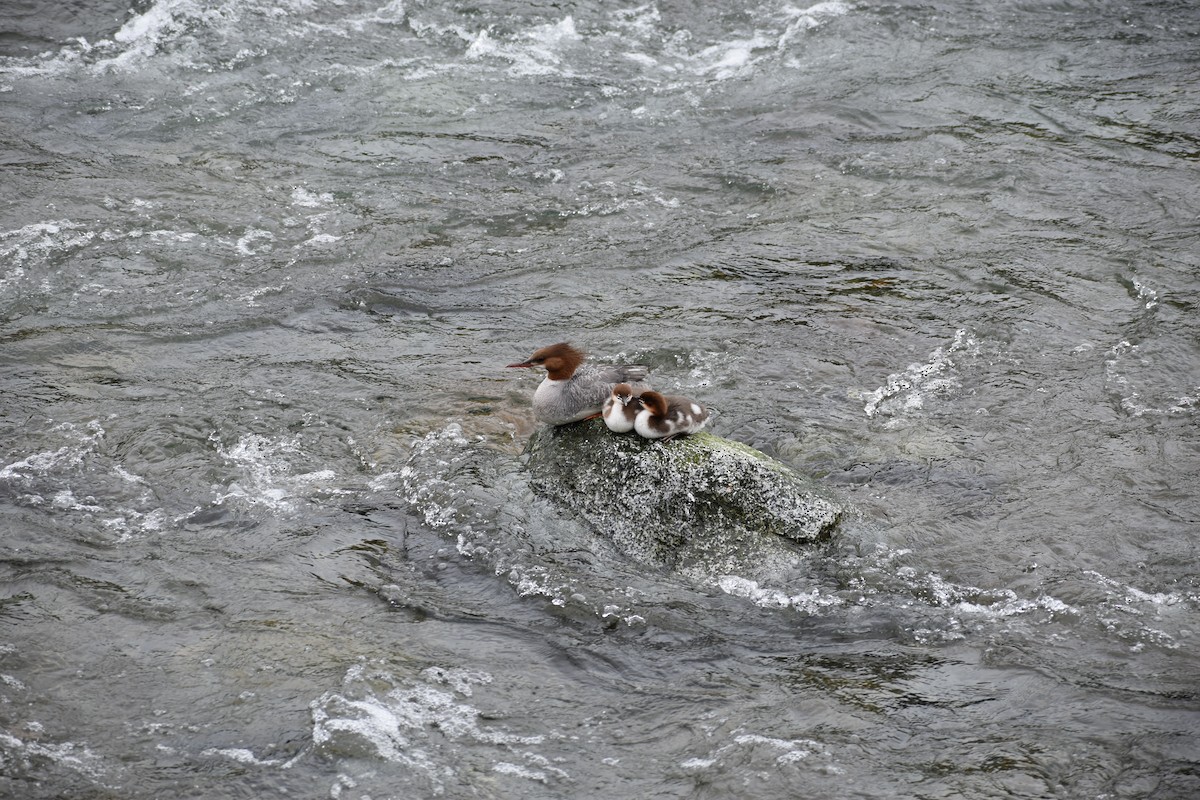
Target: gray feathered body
(583,394)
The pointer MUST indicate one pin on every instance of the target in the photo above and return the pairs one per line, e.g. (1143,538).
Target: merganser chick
(622,407)
(665,416)
(573,390)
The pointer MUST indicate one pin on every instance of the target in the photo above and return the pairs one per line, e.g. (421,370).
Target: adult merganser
(573,390)
(664,416)
(622,407)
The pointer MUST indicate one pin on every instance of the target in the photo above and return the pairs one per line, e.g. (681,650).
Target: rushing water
(265,529)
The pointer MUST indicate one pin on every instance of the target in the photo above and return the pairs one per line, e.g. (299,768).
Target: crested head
(622,393)
(559,360)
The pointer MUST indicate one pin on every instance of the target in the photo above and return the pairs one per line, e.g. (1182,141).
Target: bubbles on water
(79,481)
(672,54)
(31,246)
(425,724)
(1145,294)
(1138,617)
(745,750)
(267,476)
(441,483)
(38,465)
(139,38)
(1131,595)
(248,244)
(812,601)
(302,198)
(1138,381)
(706,368)
(433,496)
(203,35)
(306,199)
(906,392)
(1150,372)
(128,267)
(537,51)
(931,609)
(20,757)
(322,238)
(242,756)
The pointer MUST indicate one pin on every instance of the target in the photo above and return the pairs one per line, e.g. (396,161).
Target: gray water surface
(265,528)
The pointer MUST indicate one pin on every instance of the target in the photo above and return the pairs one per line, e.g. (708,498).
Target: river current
(265,526)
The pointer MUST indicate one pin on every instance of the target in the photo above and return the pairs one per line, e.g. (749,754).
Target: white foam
(242,756)
(47,462)
(322,238)
(727,59)
(538,51)
(992,603)
(268,478)
(67,754)
(810,601)
(1132,595)
(782,752)
(1146,295)
(432,496)
(1132,402)
(40,463)
(415,720)
(705,368)
(145,25)
(53,476)
(67,501)
(245,243)
(37,241)
(179,31)
(793,749)
(251,298)
(12,682)
(803,19)
(145,34)
(906,392)
(675,52)
(130,522)
(390,13)
(506,768)
(306,199)
(1012,606)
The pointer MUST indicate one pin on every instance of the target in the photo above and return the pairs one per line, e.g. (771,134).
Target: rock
(697,503)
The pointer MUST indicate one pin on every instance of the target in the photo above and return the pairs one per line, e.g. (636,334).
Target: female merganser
(572,390)
(664,416)
(622,407)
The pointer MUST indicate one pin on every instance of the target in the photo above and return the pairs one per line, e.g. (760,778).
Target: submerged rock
(695,503)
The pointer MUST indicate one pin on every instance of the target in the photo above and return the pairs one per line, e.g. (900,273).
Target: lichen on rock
(697,503)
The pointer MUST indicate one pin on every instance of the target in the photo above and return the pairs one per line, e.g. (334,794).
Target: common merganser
(622,407)
(664,416)
(573,390)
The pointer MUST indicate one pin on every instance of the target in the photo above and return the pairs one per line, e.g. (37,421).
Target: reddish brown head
(559,360)
(655,403)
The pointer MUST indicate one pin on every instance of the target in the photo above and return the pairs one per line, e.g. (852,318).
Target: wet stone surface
(695,503)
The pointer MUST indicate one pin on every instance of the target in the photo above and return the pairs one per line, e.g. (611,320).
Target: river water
(265,529)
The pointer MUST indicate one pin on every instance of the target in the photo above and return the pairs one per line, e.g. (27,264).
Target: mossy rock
(697,502)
